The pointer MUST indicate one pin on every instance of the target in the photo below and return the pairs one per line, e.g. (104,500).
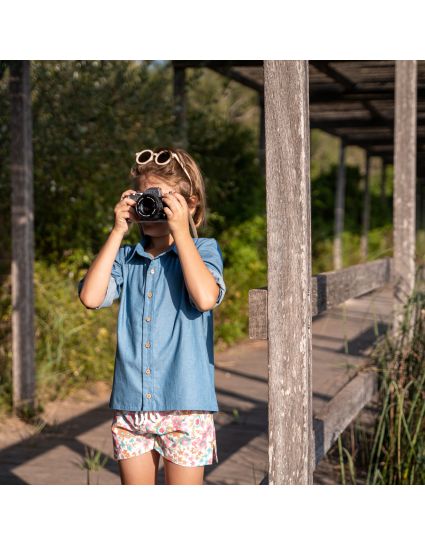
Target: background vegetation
(90,117)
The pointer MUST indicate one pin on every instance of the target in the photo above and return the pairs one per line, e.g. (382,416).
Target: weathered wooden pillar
(404,184)
(290,418)
(339,208)
(180,113)
(21,173)
(365,211)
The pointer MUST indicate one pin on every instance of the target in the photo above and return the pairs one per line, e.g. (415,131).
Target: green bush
(245,262)
(74,345)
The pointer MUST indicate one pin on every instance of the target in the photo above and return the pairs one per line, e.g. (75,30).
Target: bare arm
(199,281)
(97,278)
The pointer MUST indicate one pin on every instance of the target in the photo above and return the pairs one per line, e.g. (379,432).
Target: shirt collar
(141,245)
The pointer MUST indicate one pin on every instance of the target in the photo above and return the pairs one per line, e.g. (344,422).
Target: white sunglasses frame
(154,156)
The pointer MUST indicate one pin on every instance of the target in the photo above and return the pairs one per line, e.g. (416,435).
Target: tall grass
(393,451)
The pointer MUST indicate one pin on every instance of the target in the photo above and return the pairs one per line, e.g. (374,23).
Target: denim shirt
(165,346)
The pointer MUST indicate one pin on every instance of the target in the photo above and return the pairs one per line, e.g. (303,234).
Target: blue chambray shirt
(165,346)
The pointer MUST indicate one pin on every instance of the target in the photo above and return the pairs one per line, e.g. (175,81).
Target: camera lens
(146,206)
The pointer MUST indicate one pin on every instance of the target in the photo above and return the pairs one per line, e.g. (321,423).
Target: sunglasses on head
(162,157)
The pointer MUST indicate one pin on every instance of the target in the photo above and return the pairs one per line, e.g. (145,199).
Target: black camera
(149,206)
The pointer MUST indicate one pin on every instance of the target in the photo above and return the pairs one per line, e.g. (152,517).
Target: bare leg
(141,469)
(177,474)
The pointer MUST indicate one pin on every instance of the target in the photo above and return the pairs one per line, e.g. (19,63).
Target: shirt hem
(119,407)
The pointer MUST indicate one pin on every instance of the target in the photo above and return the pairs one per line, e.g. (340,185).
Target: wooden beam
(329,289)
(341,410)
(21,174)
(290,419)
(404,186)
(339,208)
(348,85)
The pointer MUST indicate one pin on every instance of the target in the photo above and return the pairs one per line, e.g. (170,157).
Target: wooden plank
(21,174)
(342,410)
(290,421)
(328,290)
(339,208)
(404,185)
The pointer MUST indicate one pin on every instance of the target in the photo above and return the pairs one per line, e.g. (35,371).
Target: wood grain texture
(21,173)
(329,289)
(291,442)
(404,199)
(342,410)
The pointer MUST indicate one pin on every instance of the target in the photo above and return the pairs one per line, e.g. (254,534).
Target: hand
(124,213)
(177,212)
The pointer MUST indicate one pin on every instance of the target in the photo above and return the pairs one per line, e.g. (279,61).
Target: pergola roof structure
(353,100)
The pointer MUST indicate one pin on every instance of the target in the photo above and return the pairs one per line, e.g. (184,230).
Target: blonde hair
(173,174)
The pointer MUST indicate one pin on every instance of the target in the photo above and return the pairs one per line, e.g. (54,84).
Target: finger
(127,192)
(126,202)
(172,201)
(180,199)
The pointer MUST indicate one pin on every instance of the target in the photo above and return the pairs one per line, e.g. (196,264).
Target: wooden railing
(329,290)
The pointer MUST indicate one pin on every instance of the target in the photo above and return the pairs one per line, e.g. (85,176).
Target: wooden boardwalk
(342,338)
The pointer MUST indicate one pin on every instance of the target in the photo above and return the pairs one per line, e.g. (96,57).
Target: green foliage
(244,253)
(74,345)
(93,461)
(393,451)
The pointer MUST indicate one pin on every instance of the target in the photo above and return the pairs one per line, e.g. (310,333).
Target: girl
(163,392)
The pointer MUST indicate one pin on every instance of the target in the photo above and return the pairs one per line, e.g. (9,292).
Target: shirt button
(148,371)
(148,344)
(148,318)
(149,294)
(148,395)
(152,271)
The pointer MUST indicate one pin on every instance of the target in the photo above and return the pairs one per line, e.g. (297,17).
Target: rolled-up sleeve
(211,255)
(115,281)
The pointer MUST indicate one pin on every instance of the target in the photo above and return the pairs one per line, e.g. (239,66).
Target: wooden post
(290,418)
(365,211)
(404,185)
(180,105)
(339,208)
(21,173)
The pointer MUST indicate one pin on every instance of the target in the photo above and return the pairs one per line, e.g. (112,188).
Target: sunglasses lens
(163,157)
(145,156)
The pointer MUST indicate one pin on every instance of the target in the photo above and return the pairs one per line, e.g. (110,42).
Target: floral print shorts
(185,437)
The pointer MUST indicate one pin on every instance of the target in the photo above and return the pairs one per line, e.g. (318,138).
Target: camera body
(149,205)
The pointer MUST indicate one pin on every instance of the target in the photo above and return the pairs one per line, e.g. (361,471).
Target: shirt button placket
(147,360)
